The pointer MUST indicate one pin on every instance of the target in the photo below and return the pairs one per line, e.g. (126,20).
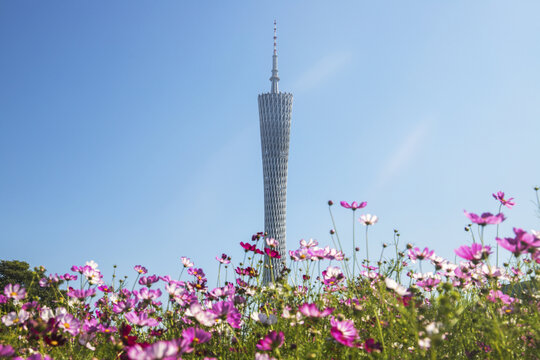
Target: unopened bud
(357,248)
(332,231)
(409,246)
(330,203)
(384,245)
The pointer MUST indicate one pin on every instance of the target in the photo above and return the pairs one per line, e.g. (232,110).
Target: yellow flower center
(54,342)
(13,294)
(66,325)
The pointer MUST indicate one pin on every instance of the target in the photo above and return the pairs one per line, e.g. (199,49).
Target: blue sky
(129,129)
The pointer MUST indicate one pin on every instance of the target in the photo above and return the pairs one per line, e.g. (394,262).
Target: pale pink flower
(15,318)
(308,244)
(271,242)
(368,219)
(15,292)
(186,262)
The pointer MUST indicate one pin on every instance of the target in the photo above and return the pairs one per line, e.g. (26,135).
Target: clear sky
(129,130)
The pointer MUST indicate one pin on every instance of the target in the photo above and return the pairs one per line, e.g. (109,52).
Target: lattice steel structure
(275,110)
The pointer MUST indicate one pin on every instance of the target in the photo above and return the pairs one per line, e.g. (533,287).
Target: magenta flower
(140,269)
(354,206)
(370,345)
(148,280)
(191,337)
(272,253)
(15,292)
(344,332)
(225,310)
(417,254)
(521,243)
(271,341)
(475,253)
(500,196)
(6,350)
(224,259)
(311,310)
(248,247)
(486,218)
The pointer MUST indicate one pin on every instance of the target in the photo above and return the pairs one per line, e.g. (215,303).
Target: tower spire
(274,79)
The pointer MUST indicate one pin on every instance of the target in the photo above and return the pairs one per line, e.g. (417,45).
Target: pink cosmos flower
(417,254)
(486,218)
(155,351)
(148,280)
(500,196)
(271,341)
(15,292)
(191,337)
(428,284)
(368,219)
(499,295)
(141,319)
(140,269)
(311,310)
(6,351)
(354,205)
(475,253)
(15,318)
(80,294)
(332,276)
(204,317)
(300,254)
(226,310)
(333,254)
(147,294)
(344,332)
(52,279)
(68,323)
(224,259)
(272,243)
(521,243)
(186,262)
(308,244)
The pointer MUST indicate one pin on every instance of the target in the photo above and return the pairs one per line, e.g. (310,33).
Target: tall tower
(275,109)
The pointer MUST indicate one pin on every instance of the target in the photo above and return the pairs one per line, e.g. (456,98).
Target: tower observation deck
(275,110)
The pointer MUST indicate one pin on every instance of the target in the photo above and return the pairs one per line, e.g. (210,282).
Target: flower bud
(330,203)
(332,231)
(409,246)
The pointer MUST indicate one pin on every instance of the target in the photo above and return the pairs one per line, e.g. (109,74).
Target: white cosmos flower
(368,219)
(397,288)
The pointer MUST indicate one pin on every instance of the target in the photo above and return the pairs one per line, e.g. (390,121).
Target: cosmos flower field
(331,302)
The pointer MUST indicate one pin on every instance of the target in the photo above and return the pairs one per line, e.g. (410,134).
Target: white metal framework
(275,110)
